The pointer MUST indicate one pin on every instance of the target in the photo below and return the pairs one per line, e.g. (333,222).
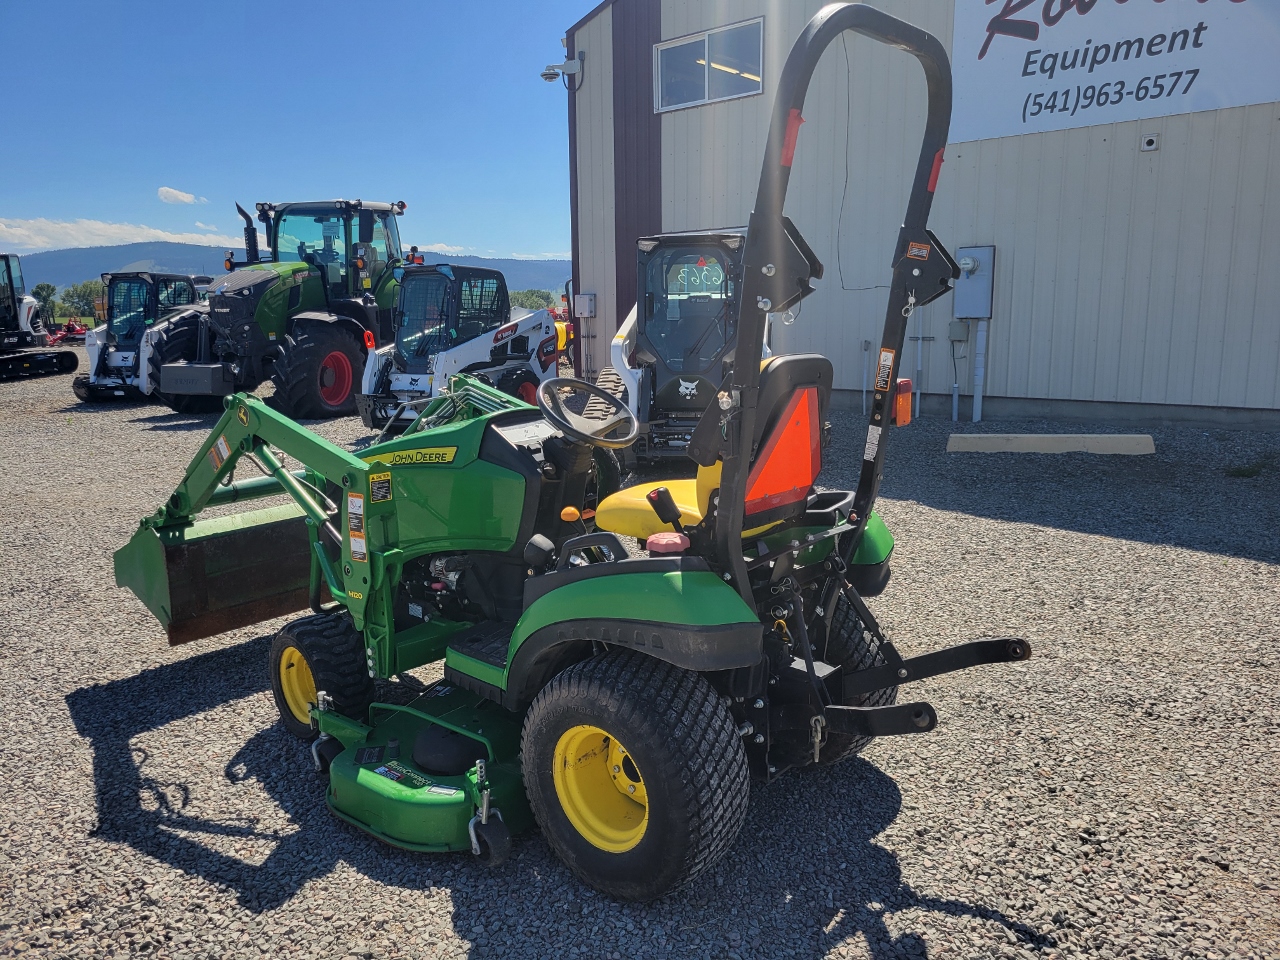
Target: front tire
(177,342)
(317,376)
(635,773)
(321,652)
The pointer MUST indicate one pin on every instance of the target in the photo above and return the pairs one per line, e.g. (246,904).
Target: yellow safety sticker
(379,487)
(355,512)
(219,452)
(367,283)
(358,549)
(403,458)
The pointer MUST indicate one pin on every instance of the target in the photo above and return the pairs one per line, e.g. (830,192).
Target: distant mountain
(65,267)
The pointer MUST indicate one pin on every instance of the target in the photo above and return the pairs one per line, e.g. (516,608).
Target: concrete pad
(1122,443)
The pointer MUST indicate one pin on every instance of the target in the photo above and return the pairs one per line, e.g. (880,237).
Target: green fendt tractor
(304,317)
(622,702)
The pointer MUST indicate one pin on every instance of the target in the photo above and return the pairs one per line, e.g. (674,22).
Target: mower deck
(411,779)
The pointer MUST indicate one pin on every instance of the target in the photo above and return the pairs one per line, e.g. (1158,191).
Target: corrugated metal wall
(1120,275)
(595,238)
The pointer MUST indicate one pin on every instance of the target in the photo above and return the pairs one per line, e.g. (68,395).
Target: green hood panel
(697,598)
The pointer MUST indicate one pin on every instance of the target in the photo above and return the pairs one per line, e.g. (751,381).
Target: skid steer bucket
(207,577)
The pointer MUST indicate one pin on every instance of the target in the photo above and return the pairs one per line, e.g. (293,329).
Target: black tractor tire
(852,646)
(312,365)
(494,840)
(521,384)
(684,752)
(332,650)
(176,342)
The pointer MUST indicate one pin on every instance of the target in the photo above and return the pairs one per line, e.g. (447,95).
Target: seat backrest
(795,393)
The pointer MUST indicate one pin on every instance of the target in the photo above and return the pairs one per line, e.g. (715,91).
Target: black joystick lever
(664,505)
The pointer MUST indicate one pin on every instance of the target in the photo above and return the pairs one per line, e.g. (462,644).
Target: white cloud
(41,234)
(206,226)
(170,195)
(441,248)
(541,256)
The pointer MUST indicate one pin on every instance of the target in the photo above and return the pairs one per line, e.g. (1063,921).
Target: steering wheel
(580,428)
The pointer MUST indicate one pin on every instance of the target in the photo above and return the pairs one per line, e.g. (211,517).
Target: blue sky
(114,108)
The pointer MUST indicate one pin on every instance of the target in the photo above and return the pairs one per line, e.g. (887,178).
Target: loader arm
(778,264)
(206,576)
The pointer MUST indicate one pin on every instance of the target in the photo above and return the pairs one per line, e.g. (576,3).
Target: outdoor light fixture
(564,70)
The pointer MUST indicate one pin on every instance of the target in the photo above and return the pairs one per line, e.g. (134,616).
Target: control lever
(664,505)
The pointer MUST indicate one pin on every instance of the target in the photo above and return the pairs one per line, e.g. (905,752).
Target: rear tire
(316,379)
(852,646)
(521,384)
(176,342)
(320,652)
(635,773)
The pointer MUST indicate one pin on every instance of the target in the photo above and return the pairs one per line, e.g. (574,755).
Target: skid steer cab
(454,319)
(677,344)
(120,347)
(617,679)
(303,315)
(23,338)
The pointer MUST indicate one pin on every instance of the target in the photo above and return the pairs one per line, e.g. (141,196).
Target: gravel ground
(1115,796)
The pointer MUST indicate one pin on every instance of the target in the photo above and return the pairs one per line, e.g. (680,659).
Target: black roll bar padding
(768,244)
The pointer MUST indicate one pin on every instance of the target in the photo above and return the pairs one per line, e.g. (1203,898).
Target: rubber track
(683,719)
(854,647)
(335,650)
(297,371)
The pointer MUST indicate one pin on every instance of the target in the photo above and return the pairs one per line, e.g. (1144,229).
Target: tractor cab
(16,315)
(119,350)
(678,344)
(453,319)
(442,307)
(135,301)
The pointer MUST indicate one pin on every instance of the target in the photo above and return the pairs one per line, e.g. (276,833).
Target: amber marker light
(570,514)
(902,403)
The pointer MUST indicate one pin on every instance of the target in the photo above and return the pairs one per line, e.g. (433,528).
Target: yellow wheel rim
(297,684)
(600,788)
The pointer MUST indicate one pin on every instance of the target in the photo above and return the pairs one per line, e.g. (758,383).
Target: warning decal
(358,549)
(918,251)
(884,371)
(379,487)
(873,443)
(355,512)
(219,452)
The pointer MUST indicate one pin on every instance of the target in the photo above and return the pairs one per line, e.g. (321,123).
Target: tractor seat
(795,390)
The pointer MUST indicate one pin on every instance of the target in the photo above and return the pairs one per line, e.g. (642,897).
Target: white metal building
(1137,248)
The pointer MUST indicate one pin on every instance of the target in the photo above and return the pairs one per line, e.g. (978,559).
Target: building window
(716,65)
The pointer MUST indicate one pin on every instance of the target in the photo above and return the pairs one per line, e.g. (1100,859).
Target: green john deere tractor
(622,698)
(305,316)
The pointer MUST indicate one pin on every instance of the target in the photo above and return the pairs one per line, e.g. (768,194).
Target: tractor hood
(235,297)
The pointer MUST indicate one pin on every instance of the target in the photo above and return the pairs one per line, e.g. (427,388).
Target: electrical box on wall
(584,305)
(974,289)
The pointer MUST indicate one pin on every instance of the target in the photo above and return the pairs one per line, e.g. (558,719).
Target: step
(486,642)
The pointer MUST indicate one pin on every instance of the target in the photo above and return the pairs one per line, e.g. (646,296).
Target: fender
(689,618)
(356,328)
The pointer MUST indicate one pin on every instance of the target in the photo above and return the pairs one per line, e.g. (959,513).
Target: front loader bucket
(215,575)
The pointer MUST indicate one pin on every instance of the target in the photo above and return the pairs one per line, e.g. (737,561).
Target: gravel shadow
(833,880)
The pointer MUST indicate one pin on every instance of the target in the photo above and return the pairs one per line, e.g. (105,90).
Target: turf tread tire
(683,738)
(296,373)
(176,342)
(853,647)
(334,650)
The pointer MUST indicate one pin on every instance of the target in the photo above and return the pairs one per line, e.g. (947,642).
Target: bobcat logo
(688,390)
(414,381)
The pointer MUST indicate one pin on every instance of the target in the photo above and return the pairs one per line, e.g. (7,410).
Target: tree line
(75,301)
